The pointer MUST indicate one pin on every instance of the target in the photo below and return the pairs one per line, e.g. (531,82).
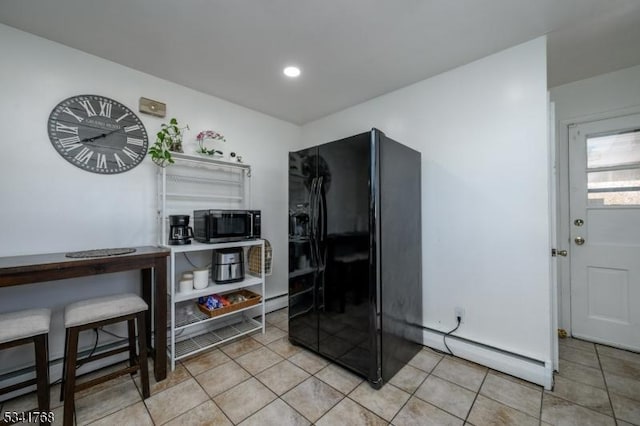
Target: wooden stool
(21,328)
(95,313)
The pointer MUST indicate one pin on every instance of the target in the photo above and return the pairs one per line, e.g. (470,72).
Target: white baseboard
(538,372)
(274,303)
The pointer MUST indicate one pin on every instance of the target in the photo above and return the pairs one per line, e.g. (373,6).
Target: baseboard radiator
(521,366)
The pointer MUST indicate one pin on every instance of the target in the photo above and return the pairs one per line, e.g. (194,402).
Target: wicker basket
(252,299)
(255,254)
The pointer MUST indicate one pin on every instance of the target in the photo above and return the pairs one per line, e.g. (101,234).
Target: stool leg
(64,363)
(42,372)
(132,343)
(142,359)
(71,355)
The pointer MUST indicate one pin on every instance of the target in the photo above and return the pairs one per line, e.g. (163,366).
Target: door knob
(579,241)
(555,252)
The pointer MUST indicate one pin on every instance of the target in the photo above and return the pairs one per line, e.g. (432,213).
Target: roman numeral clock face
(97,134)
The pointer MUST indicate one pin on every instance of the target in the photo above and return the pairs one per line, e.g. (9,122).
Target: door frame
(563,217)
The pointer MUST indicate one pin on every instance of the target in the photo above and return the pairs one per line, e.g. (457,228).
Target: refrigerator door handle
(312,213)
(319,237)
(312,201)
(321,220)
(318,222)
(321,209)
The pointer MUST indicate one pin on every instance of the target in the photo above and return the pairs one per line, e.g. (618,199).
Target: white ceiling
(349,50)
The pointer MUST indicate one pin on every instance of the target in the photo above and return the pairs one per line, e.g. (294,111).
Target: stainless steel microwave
(220,226)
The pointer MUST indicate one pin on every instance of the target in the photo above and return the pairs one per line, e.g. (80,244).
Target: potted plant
(209,134)
(168,139)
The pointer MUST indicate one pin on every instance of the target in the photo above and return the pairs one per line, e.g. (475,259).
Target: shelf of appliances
(201,183)
(201,342)
(204,339)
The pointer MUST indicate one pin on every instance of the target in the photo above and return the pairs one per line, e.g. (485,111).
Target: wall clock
(97,134)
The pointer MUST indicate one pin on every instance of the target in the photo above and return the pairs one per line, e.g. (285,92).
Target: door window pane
(614,150)
(615,187)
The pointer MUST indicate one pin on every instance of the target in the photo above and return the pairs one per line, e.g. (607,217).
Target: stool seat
(22,328)
(102,308)
(23,324)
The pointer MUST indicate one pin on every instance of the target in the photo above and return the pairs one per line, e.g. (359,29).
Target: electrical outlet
(458,312)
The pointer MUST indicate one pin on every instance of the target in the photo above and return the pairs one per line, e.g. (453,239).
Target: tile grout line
(606,385)
(364,408)
(597,353)
(329,409)
(476,397)
(244,381)
(208,396)
(502,403)
(581,405)
(344,396)
(293,408)
(412,394)
(259,381)
(278,397)
(580,350)
(203,389)
(144,404)
(448,381)
(75,416)
(293,387)
(251,376)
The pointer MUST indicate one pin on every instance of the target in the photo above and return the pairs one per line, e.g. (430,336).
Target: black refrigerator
(355,264)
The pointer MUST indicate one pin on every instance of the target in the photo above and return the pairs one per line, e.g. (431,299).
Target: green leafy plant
(168,139)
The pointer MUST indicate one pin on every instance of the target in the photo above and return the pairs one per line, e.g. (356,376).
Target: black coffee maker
(180,232)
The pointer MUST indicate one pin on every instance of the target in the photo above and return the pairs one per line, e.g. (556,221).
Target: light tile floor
(264,380)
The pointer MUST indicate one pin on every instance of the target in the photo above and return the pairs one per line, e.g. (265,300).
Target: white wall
(482,132)
(49,205)
(604,96)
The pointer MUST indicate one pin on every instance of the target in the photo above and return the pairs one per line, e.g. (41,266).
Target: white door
(604,177)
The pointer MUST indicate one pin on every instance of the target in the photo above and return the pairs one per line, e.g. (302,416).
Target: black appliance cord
(444,338)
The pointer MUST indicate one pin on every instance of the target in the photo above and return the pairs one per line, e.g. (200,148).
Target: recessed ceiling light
(291,72)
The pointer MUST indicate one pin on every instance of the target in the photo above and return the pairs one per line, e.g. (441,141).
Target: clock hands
(94,138)
(104,135)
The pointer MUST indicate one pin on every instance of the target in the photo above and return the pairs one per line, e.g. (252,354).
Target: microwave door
(231,226)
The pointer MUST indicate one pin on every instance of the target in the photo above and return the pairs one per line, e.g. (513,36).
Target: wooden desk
(17,270)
